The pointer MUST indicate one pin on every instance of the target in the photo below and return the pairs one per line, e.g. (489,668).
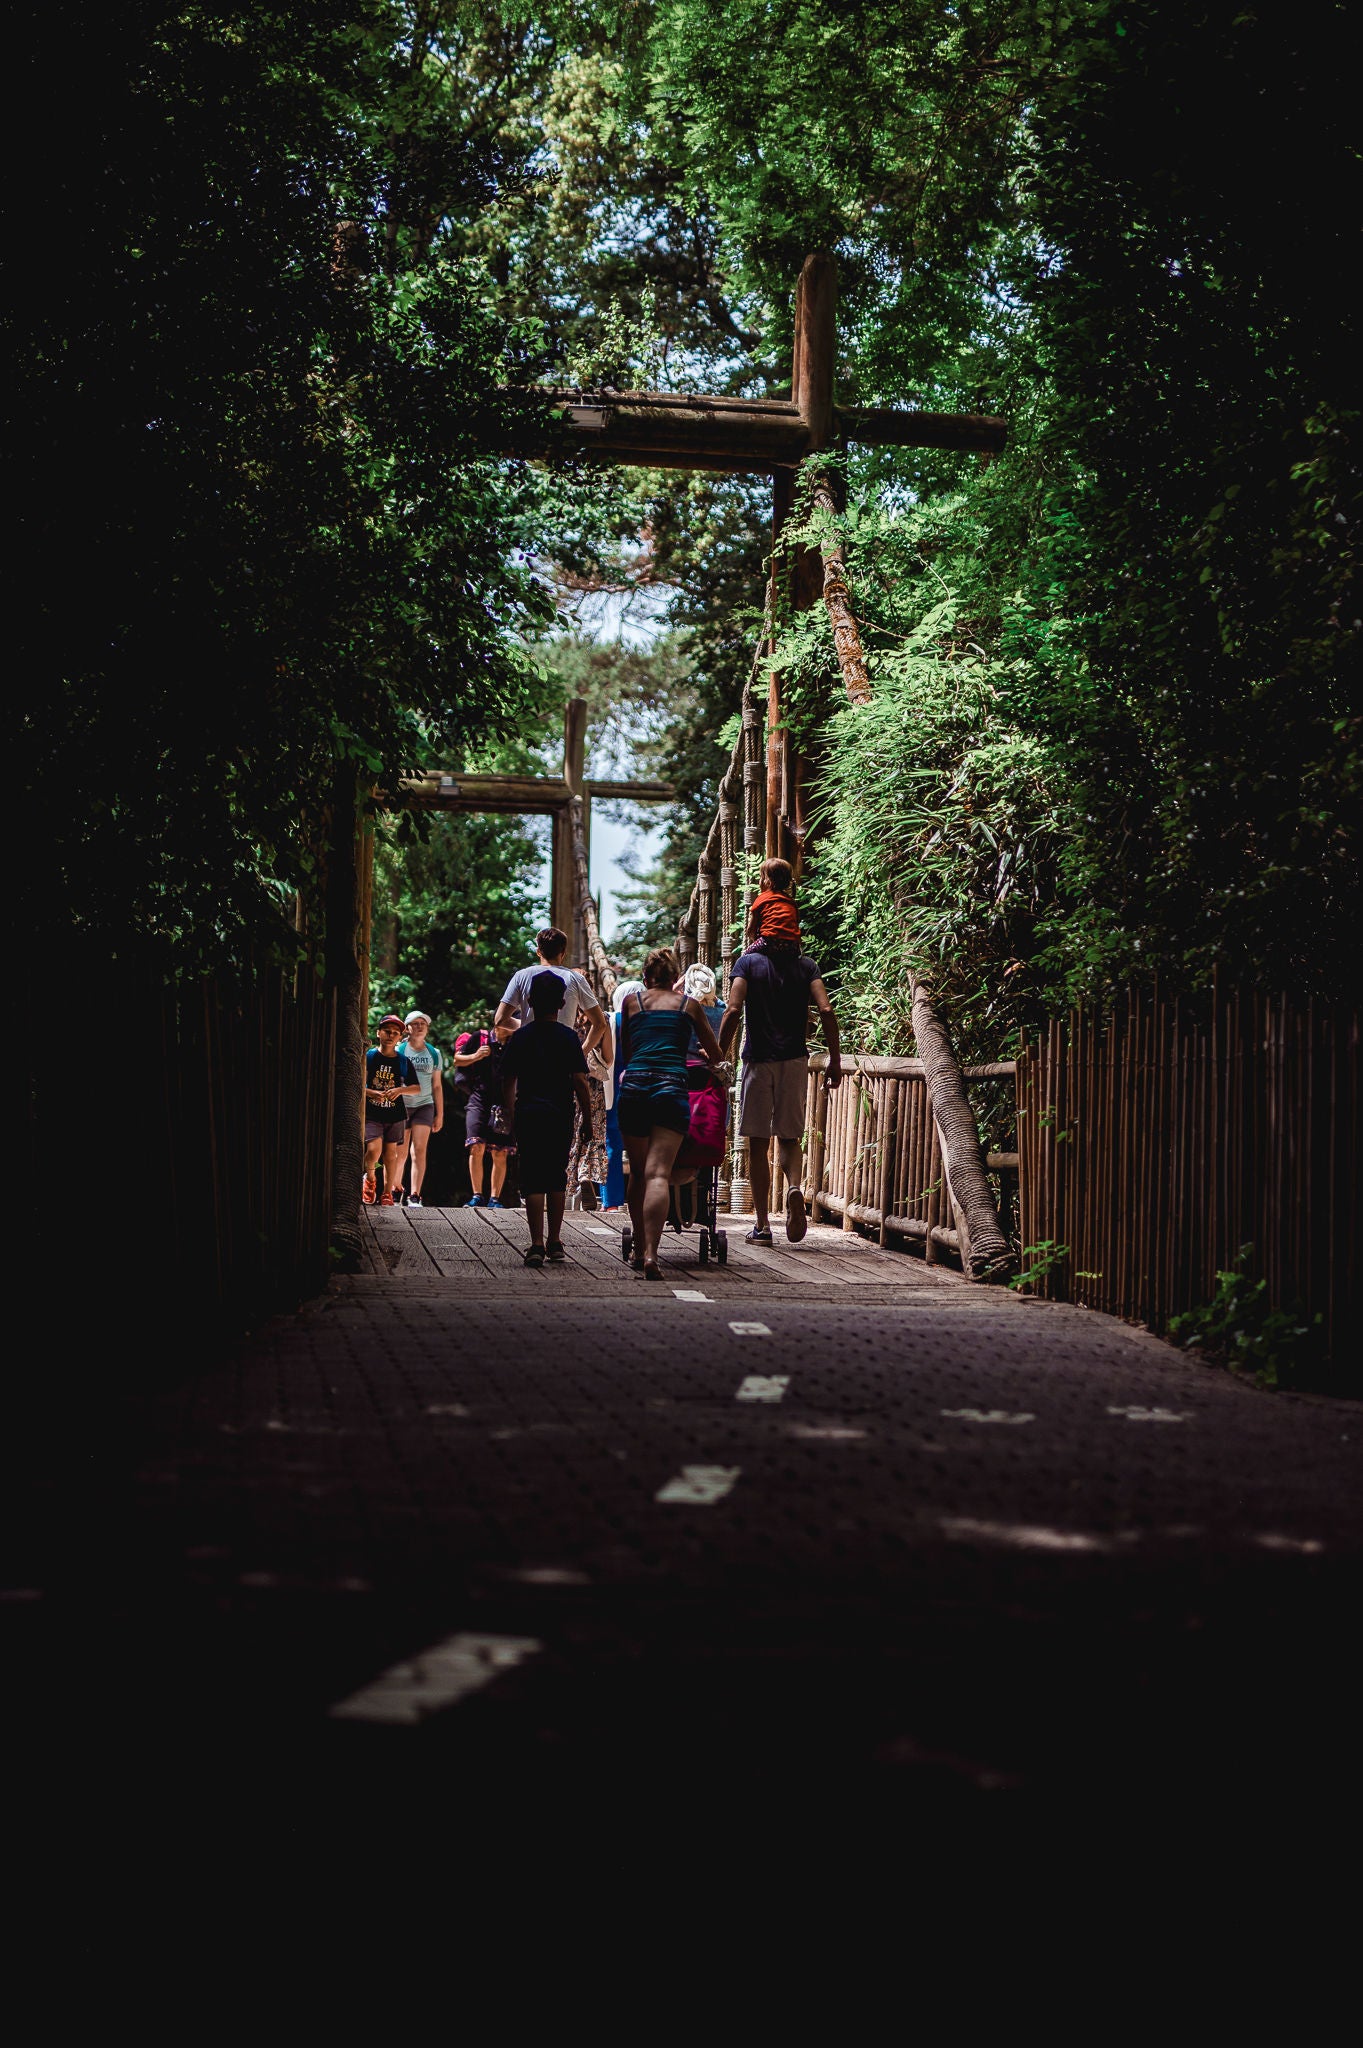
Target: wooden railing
(874,1152)
(1159,1139)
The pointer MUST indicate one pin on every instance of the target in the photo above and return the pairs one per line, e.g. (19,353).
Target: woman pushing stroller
(660,1025)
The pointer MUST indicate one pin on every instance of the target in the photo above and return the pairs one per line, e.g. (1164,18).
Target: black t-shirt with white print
(387,1070)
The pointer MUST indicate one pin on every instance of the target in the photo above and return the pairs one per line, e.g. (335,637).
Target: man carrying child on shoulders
(775,984)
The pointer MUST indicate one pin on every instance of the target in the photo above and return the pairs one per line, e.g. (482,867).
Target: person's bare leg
(534,1216)
(499,1160)
(792,1166)
(557,1204)
(476,1156)
(372,1149)
(663,1147)
(420,1138)
(637,1149)
(392,1168)
(759,1180)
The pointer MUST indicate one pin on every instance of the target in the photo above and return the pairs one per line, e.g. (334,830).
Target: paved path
(823,1514)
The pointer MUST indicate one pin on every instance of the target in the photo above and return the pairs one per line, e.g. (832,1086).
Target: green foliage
(288,254)
(259,548)
(1241,1329)
(1124,659)
(1040,1259)
(455,915)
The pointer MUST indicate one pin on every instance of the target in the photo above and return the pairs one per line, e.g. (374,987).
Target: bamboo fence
(212,1179)
(1158,1139)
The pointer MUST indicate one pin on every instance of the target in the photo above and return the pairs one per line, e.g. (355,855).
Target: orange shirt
(777,917)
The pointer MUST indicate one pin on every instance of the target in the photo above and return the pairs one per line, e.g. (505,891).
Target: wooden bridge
(828,1514)
(1127,1156)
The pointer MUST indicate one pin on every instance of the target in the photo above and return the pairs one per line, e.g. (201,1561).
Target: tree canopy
(290,254)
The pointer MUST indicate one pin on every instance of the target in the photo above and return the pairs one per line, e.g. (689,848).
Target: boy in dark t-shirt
(543,1067)
(388,1081)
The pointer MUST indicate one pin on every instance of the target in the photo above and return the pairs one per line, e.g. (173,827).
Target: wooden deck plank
(434,1226)
(396,1244)
(589,1254)
(445,1248)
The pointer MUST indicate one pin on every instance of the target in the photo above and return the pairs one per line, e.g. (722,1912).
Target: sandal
(556,1251)
(653,1271)
(535,1255)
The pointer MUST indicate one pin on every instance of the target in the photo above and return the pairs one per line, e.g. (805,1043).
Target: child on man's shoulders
(774,921)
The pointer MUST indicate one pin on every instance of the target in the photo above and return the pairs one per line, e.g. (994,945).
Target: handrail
(877,1156)
(892,1067)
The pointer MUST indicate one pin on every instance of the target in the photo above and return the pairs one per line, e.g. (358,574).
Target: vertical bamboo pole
(854,1125)
(933,1183)
(888,1127)
(816,1147)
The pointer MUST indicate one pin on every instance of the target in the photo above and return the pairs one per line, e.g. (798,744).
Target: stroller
(696,1203)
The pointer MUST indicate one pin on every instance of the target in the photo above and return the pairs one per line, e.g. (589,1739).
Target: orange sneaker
(369,1188)
(386,1201)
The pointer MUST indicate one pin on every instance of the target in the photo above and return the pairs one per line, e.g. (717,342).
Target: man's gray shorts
(772,1104)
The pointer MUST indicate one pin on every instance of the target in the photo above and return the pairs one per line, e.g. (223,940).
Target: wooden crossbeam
(538,794)
(674,430)
(636,792)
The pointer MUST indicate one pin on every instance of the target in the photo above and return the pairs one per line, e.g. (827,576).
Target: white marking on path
(699,1485)
(690,1294)
(602,1230)
(440,1676)
(985,1415)
(1307,1546)
(1020,1535)
(549,1575)
(763,1387)
(1149,1414)
(750,1329)
(826,1432)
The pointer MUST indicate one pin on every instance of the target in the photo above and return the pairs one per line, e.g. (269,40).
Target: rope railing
(724,882)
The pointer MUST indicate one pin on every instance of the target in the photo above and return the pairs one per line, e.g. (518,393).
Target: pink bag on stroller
(704,1143)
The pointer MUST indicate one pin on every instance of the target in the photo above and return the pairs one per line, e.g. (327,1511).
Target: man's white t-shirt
(579,993)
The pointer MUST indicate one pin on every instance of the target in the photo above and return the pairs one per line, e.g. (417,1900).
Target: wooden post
(811,390)
(574,774)
(561,892)
(852,1079)
(888,1122)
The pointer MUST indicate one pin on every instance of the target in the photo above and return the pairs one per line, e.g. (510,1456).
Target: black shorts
(642,1104)
(485,1124)
(542,1149)
(392,1129)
